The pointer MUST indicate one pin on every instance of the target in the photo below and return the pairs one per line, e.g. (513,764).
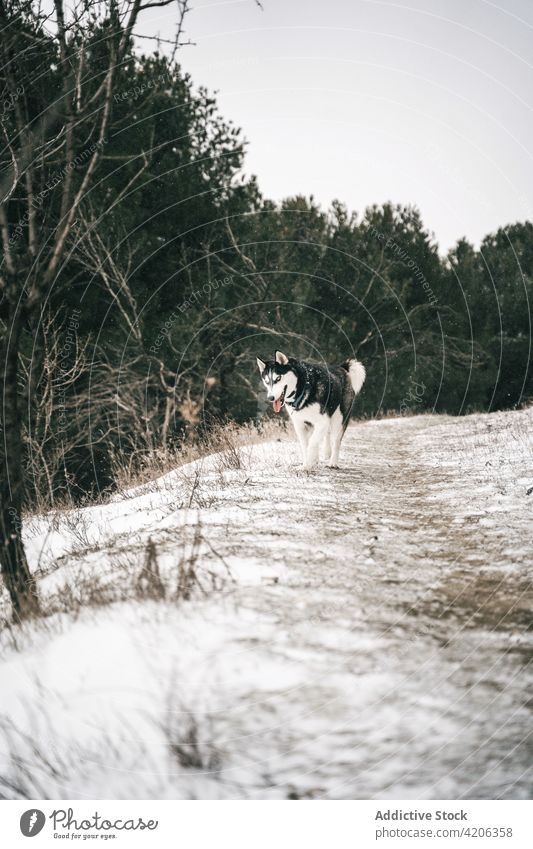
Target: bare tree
(71,133)
(50,377)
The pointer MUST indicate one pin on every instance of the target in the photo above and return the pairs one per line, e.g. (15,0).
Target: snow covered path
(374,641)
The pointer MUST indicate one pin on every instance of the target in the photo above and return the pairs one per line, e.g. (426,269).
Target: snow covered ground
(354,633)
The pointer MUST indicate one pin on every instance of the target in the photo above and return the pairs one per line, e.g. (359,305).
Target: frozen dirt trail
(404,591)
(375,641)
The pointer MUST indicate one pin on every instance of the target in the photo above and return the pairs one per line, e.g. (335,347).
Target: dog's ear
(261,365)
(281,359)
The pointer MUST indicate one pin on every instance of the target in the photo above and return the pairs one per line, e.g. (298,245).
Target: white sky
(424,101)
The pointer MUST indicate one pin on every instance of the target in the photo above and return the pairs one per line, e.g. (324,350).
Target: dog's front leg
(319,431)
(301,432)
(325,447)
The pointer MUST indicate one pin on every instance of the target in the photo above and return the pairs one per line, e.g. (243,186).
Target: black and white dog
(319,400)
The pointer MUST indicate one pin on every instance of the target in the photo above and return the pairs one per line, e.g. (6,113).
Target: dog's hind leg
(337,432)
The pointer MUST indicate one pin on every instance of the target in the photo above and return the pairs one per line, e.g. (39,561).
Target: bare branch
(5,240)
(14,163)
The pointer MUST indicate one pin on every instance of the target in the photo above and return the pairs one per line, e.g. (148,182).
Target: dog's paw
(332,465)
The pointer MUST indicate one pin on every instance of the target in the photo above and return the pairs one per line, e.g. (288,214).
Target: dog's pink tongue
(277,405)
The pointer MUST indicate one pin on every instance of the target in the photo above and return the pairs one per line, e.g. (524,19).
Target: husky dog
(318,399)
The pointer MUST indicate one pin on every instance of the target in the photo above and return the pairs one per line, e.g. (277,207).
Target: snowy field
(240,629)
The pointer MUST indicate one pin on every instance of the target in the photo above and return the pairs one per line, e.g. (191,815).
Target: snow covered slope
(357,633)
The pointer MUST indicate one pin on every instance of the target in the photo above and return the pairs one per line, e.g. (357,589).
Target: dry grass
(190,744)
(132,572)
(132,469)
(227,440)
(41,760)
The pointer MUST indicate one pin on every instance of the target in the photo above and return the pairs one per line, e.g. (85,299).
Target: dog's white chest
(309,415)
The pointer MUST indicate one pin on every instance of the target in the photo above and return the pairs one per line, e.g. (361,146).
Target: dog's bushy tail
(357,373)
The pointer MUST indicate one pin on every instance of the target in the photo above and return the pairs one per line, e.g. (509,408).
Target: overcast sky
(425,101)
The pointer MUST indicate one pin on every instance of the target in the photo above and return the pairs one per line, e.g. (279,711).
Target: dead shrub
(149,583)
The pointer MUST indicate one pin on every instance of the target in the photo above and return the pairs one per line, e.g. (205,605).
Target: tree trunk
(19,582)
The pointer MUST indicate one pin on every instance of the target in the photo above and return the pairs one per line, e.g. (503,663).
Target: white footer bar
(269,824)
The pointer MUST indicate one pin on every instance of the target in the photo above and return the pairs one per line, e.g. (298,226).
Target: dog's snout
(270,398)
